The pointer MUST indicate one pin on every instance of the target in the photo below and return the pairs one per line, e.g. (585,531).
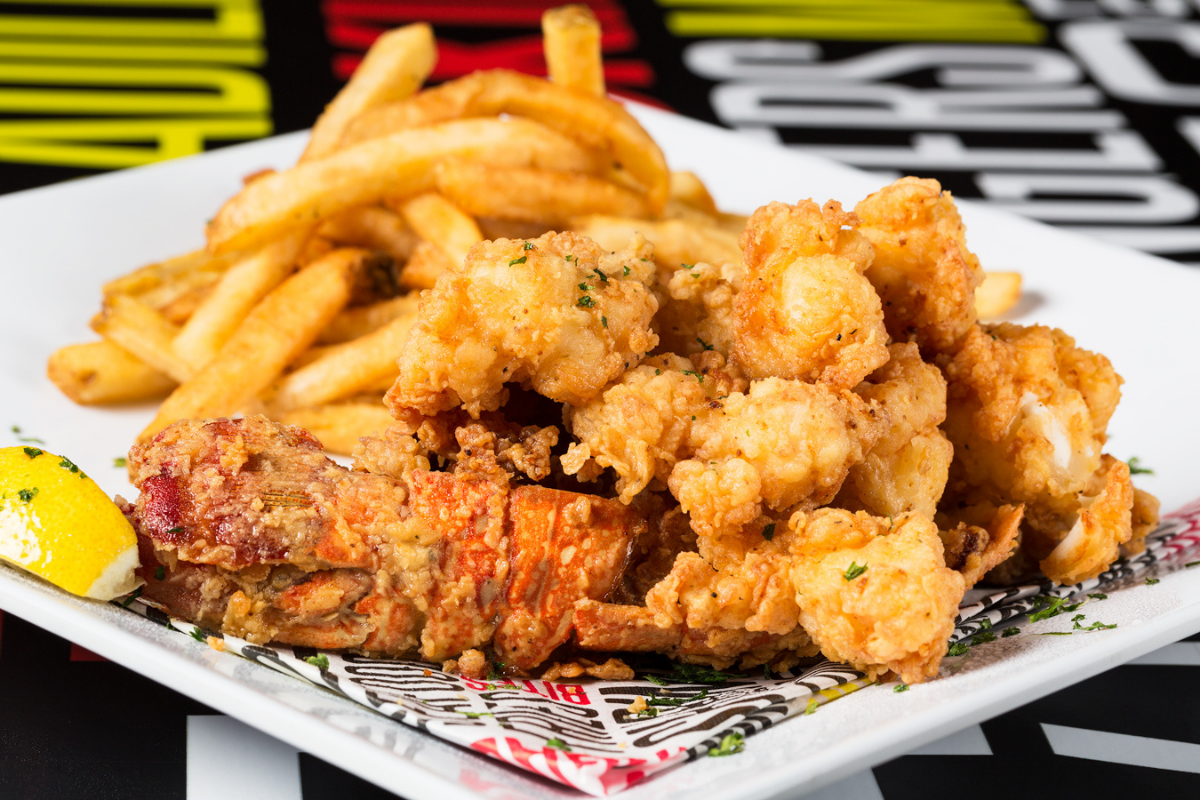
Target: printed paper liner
(583,736)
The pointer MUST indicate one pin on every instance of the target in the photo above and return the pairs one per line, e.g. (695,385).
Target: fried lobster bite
(555,313)
(922,269)
(805,311)
(1027,413)
(244,526)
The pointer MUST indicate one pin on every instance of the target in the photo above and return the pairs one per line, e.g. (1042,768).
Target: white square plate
(59,244)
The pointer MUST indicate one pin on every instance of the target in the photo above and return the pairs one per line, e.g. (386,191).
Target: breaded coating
(554,313)
(1027,412)
(1145,519)
(979,538)
(922,270)
(782,443)
(696,309)
(873,593)
(641,425)
(805,310)
(1093,542)
(907,468)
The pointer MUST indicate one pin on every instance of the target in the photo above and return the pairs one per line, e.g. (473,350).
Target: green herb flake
(957,649)
(1012,631)
(320,661)
(1077,618)
(604,321)
(134,595)
(174,530)
(586,301)
(160,572)
(983,638)
(520,260)
(120,461)
(696,673)
(657,681)
(695,375)
(1192,564)
(528,246)
(659,700)
(1135,467)
(648,712)
(768,532)
(583,287)
(1151,581)
(558,743)
(658,372)
(767,671)
(32,452)
(71,467)
(1097,626)
(684,266)
(704,344)
(1102,596)
(600,275)
(812,707)
(900,687)
(627,270)
(197,634)
(853,571)
(730,743)
(27,495)
(696,275)
(985,624)
(1056,633)
(476,714)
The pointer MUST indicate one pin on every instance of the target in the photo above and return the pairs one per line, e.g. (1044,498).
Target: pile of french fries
(301,302)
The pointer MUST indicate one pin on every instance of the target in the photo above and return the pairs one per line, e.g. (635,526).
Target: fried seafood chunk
(907,468)
(1102,524)
(782,443)
(922,270)
(1027,412)
(696,309)
(1144,519)
(642,424)
(555,313)
(805,310)
(875,593)
(979,538)
(258,534)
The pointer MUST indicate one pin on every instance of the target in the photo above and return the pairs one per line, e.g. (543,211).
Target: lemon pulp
(58,524)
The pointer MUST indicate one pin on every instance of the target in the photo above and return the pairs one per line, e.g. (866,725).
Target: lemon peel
(58,524)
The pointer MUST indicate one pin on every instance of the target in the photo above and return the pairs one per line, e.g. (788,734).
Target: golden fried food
(697,311)
(555,313)
(1104,523)
(875,593)
(907,468)
(805,310)
(922,269)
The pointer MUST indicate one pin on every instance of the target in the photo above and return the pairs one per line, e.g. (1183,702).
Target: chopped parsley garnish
(134,595)
(648,712)
(900,687)
(174,530)
(32,439)
(1012,631)
(1055,633)
(1192,564)
(627,269)
(1054,607)
(586,301)
(658,372)
(520,260)
(684,266)
(27,494)
(70,466)
(704,344)
(695,375)
(853,571)
(1136,468)
(476,714)
(600,274)
(32,452)
(985,624)
(1095,626)
(657,681)
(528,246)
(320,661)
(197,634)
(659,700)
(583,287)
(604,321)
(1077,618)
(160,572)
(983,638)
(559,743)
(957,649)
(812,707)
(1098,596)
(696,275)
(769,532)
(119,461)
(1151,581)
(730,743)
(767,671)
(693,673)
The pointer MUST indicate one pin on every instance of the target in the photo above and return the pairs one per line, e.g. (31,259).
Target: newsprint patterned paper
(583,734)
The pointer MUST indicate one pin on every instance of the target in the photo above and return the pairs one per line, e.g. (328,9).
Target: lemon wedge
(58,524)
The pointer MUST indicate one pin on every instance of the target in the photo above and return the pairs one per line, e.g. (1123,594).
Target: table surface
(1084,114)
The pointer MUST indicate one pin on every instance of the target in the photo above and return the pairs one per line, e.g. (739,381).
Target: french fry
(687,188)
(339,426)
(361,320)
(395,165)
(166,273)
(142,331)
(242,286)
(396,65)
(999,292)
(676,241)
(422,270)
(571,40)
(373,228)
(440,222)
(349,369)
(285,323)
(531,195)
(101,372)
(595,122)
(181,307)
